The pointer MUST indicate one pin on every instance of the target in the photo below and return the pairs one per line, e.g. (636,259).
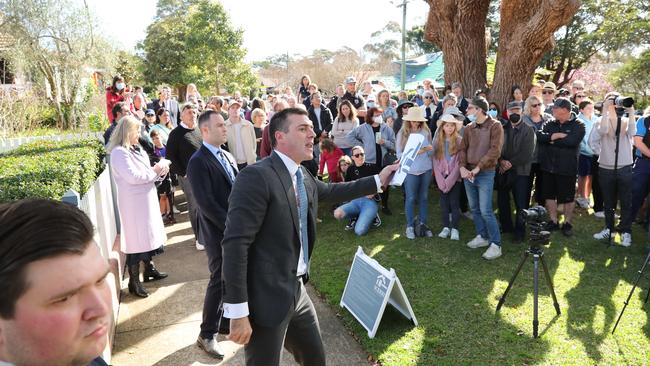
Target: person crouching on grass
(446,170)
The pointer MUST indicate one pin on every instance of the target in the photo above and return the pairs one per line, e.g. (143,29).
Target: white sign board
(413,145)
(369,288)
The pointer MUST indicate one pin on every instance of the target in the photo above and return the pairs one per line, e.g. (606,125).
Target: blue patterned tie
(226,165)
(302,214)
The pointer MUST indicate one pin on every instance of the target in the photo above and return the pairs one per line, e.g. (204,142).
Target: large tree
(193,41)
(56,41)
(457,27)
(526,33)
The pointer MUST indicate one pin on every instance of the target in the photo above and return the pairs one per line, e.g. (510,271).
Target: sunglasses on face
(406,107)
(428,97)
(580,96)
(358,155)
(579,88)
(548,92)
(535,105)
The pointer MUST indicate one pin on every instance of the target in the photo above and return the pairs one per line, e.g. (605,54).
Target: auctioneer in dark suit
(211,184)
(261,249)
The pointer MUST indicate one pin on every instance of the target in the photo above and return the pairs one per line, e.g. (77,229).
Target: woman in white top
(346,120)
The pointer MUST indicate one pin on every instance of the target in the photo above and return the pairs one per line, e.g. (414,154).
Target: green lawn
(454,293)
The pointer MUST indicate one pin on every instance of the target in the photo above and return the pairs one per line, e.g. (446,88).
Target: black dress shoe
(211,347)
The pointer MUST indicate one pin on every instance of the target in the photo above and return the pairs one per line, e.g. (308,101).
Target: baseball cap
(514,104)
(549,85)
(149,112)
(350,80)
(562,103)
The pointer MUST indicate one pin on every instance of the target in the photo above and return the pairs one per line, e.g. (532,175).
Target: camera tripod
(636,283)
(538,256)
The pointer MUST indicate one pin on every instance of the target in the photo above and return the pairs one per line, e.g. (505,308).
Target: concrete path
(162,329)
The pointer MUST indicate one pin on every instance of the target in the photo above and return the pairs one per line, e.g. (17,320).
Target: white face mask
(378,119)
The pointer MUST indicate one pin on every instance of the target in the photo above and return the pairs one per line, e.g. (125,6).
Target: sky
(273,27)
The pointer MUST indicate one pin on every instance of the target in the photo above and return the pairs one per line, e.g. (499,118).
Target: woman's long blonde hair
(440,141)
(120,136)
(406,132)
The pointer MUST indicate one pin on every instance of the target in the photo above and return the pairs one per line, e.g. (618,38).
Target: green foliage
(633,78)
(56,40)
(598,26)
(47,169)
(131,67)
(416,42)
(193,41)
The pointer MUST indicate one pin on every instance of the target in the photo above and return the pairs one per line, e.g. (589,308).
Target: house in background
(11,81)
(427,66)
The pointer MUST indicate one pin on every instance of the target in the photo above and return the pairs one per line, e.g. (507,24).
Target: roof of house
(427,66)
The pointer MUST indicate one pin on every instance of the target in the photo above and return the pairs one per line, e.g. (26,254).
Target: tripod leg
(512,280)
(535,293)
(636,282)
(550,285)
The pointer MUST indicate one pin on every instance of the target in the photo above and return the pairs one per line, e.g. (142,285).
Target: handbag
(390,157)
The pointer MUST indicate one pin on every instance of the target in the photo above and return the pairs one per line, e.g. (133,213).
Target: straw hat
(448,118)
(415,114)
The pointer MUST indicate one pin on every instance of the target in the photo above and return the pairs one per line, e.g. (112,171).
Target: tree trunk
(457,27)
(527,29)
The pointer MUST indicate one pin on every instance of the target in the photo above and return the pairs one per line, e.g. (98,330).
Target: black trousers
(299,333)
(520,196)
(535,181)
(213,319)
(596,191)
(191,203)
(617,187)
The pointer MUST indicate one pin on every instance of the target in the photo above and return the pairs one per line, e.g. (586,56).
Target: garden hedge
(47,169)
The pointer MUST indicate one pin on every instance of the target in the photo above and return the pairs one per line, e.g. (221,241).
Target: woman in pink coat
(143,232)
(446,169)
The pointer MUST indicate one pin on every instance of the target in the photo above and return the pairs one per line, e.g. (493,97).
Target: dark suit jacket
(211,186)
(261,244)
(172,107)
(325,120)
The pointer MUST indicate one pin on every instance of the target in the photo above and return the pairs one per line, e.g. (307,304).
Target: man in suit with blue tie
(269,238)
(211,172)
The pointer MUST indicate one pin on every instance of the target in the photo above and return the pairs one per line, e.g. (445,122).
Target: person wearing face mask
(479,152)
(417,98)
(116,93)
(377,140)
(514,169)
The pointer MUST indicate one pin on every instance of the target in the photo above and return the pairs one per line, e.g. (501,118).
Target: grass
(454,293)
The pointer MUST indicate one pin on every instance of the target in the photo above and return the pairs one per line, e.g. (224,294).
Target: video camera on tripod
(536,220)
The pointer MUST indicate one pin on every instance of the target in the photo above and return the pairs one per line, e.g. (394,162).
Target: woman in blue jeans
(416,184)
(364,209)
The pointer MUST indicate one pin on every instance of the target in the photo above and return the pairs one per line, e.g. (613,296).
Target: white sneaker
(604,234)
(176,211)
(444,233)
(410,233)
(600,214)
(493,252)
(478,242)
(454,234)
(626,239)
(199,246)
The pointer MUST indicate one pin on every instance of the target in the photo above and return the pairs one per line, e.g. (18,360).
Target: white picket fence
(12,143)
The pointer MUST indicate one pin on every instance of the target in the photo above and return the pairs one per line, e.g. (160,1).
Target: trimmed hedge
(47,169)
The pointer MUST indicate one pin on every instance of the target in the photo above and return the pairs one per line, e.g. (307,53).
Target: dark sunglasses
(428,97)
(548,92)
(406,106)
(535,105)
(358,155)
(150,115)
(581,96)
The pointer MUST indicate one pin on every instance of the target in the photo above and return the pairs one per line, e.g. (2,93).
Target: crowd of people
(253,173)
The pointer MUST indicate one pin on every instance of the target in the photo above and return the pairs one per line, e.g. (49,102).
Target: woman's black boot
(135,286)
(151,273)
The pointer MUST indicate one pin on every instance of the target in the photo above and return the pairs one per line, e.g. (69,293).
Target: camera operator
(559,144)
(614,133)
